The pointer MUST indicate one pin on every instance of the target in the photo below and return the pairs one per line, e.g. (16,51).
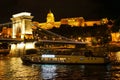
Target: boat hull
(31,62)
(64,59)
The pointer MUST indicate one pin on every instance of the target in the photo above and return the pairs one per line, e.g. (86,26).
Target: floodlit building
(50,22)
(22,24)
(76,21)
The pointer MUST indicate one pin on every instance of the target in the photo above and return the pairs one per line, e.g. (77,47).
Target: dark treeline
(75,31)
(101,32)
(92,31)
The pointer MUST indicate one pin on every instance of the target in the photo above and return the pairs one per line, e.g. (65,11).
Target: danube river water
(12,68)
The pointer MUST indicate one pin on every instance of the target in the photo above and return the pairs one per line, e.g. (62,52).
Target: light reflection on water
(13,69)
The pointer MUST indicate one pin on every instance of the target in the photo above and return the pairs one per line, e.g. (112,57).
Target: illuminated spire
(50,11)
(50,17)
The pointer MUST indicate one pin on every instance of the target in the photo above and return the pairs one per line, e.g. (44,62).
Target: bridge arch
(21,25)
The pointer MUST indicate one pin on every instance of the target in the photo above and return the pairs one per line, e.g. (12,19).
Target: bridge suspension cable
(8,23)
(5,23)
(57,35)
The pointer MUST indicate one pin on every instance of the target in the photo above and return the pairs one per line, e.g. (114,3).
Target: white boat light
(81,58)
(48,56)
(22,14)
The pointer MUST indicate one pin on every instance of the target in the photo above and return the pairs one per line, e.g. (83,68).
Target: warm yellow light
(79,38)
(118,56)
(21,45)
(22,14)
(13,46)
(29,45)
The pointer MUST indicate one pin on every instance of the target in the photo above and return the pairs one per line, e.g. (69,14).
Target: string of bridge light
(8,23)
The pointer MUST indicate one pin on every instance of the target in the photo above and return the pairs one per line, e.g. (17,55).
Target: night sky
(89,9)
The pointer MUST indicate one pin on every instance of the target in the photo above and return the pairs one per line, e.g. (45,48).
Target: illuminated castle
(22,27)
(50,22)
(50,17)
(77,21)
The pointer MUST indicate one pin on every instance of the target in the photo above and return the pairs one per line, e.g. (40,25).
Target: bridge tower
(21,25)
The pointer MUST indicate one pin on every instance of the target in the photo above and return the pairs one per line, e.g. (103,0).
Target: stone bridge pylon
(21,27)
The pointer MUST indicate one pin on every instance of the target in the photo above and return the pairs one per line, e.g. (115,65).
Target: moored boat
(64,57)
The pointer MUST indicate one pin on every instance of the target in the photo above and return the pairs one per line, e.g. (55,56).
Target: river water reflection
(13,69)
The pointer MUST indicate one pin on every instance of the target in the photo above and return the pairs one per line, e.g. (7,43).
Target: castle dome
(50,17)
(50,14)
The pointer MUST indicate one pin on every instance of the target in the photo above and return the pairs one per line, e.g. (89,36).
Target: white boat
(51,57)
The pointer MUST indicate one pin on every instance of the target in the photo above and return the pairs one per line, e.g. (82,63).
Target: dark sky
(89,9)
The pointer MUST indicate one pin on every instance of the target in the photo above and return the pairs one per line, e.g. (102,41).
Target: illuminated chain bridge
(22,29)
(42,37)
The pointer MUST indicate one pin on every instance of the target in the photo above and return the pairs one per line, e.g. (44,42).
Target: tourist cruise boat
(63,57)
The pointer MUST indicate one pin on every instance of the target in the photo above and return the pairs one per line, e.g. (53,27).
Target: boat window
(46,59)
(48,56)
(81,58)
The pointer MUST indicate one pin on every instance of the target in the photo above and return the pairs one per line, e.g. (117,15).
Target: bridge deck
(9,40)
